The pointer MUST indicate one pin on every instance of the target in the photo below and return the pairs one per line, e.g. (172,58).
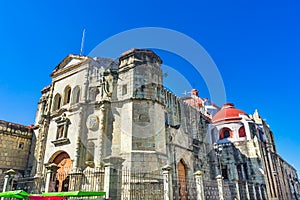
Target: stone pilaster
(41,147)
(112,177)
(167,174)
(237,189)
(102,128)
(247,190)
(8,179)
(220,187)
(254,191)
(76,161)
(259,191)
(199,184)
(50,177)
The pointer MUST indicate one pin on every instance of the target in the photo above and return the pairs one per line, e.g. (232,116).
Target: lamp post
(218,150)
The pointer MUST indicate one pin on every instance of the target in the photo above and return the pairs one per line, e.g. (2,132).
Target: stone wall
(15,142)
(15,154)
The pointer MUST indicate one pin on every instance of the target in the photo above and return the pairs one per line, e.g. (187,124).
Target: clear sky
(255,45)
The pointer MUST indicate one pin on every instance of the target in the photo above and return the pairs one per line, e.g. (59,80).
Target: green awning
(74,194)
(18,194)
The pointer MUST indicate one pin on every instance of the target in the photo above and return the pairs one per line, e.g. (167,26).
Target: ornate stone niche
(62,131)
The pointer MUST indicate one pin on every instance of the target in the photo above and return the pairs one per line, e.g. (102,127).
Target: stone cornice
(67,70)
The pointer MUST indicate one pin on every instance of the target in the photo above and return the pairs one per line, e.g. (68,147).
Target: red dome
(228,113)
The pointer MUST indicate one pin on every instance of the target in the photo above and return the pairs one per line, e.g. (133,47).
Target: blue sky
(255,45)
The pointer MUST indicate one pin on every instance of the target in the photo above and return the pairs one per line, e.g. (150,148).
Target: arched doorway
(62,175)
(182,180)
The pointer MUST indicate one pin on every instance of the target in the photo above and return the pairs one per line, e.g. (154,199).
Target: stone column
(237,188)
(50,177)
(167,174)
(243,172)
(247,190)
(260,193)
(112,177)
(254,191)
(8,179)
(41,140)
(77,153)
(199,184)
(76,162)
(220,186)
(102,129)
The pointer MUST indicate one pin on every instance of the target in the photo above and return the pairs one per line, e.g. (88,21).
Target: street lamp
(218,150)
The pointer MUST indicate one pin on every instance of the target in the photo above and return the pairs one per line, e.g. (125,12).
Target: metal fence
(184,188)
(141,186)
(91,179)
(242,190)
(211,191)
(126,183)
(129,184)
(229,190)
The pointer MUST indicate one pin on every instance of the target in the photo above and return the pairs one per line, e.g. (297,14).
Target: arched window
(76,95)
(225,133)
(67,95)
(242,131)
(57,102)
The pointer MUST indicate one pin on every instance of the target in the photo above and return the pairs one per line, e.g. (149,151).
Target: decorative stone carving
(106,86)
(92,122)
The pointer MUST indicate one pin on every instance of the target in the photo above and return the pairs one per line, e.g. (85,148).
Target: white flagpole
(82,41)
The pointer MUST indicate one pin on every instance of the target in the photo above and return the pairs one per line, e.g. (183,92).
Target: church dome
(228,113)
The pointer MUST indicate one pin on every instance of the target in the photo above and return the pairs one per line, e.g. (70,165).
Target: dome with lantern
(228,114)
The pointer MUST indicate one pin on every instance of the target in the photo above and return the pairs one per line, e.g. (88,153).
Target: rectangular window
(62,131)
(21,145)
(124,89)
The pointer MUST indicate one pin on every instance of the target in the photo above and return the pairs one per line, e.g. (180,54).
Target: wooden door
(62,175)
(182,181)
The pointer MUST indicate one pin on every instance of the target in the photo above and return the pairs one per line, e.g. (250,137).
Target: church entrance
(62,176)
(182,180)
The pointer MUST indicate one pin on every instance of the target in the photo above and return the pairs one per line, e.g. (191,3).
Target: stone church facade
(111,125)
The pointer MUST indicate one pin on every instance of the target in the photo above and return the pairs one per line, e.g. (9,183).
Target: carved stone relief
(92,122)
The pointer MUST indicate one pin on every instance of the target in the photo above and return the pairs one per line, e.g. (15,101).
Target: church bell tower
(142,128)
